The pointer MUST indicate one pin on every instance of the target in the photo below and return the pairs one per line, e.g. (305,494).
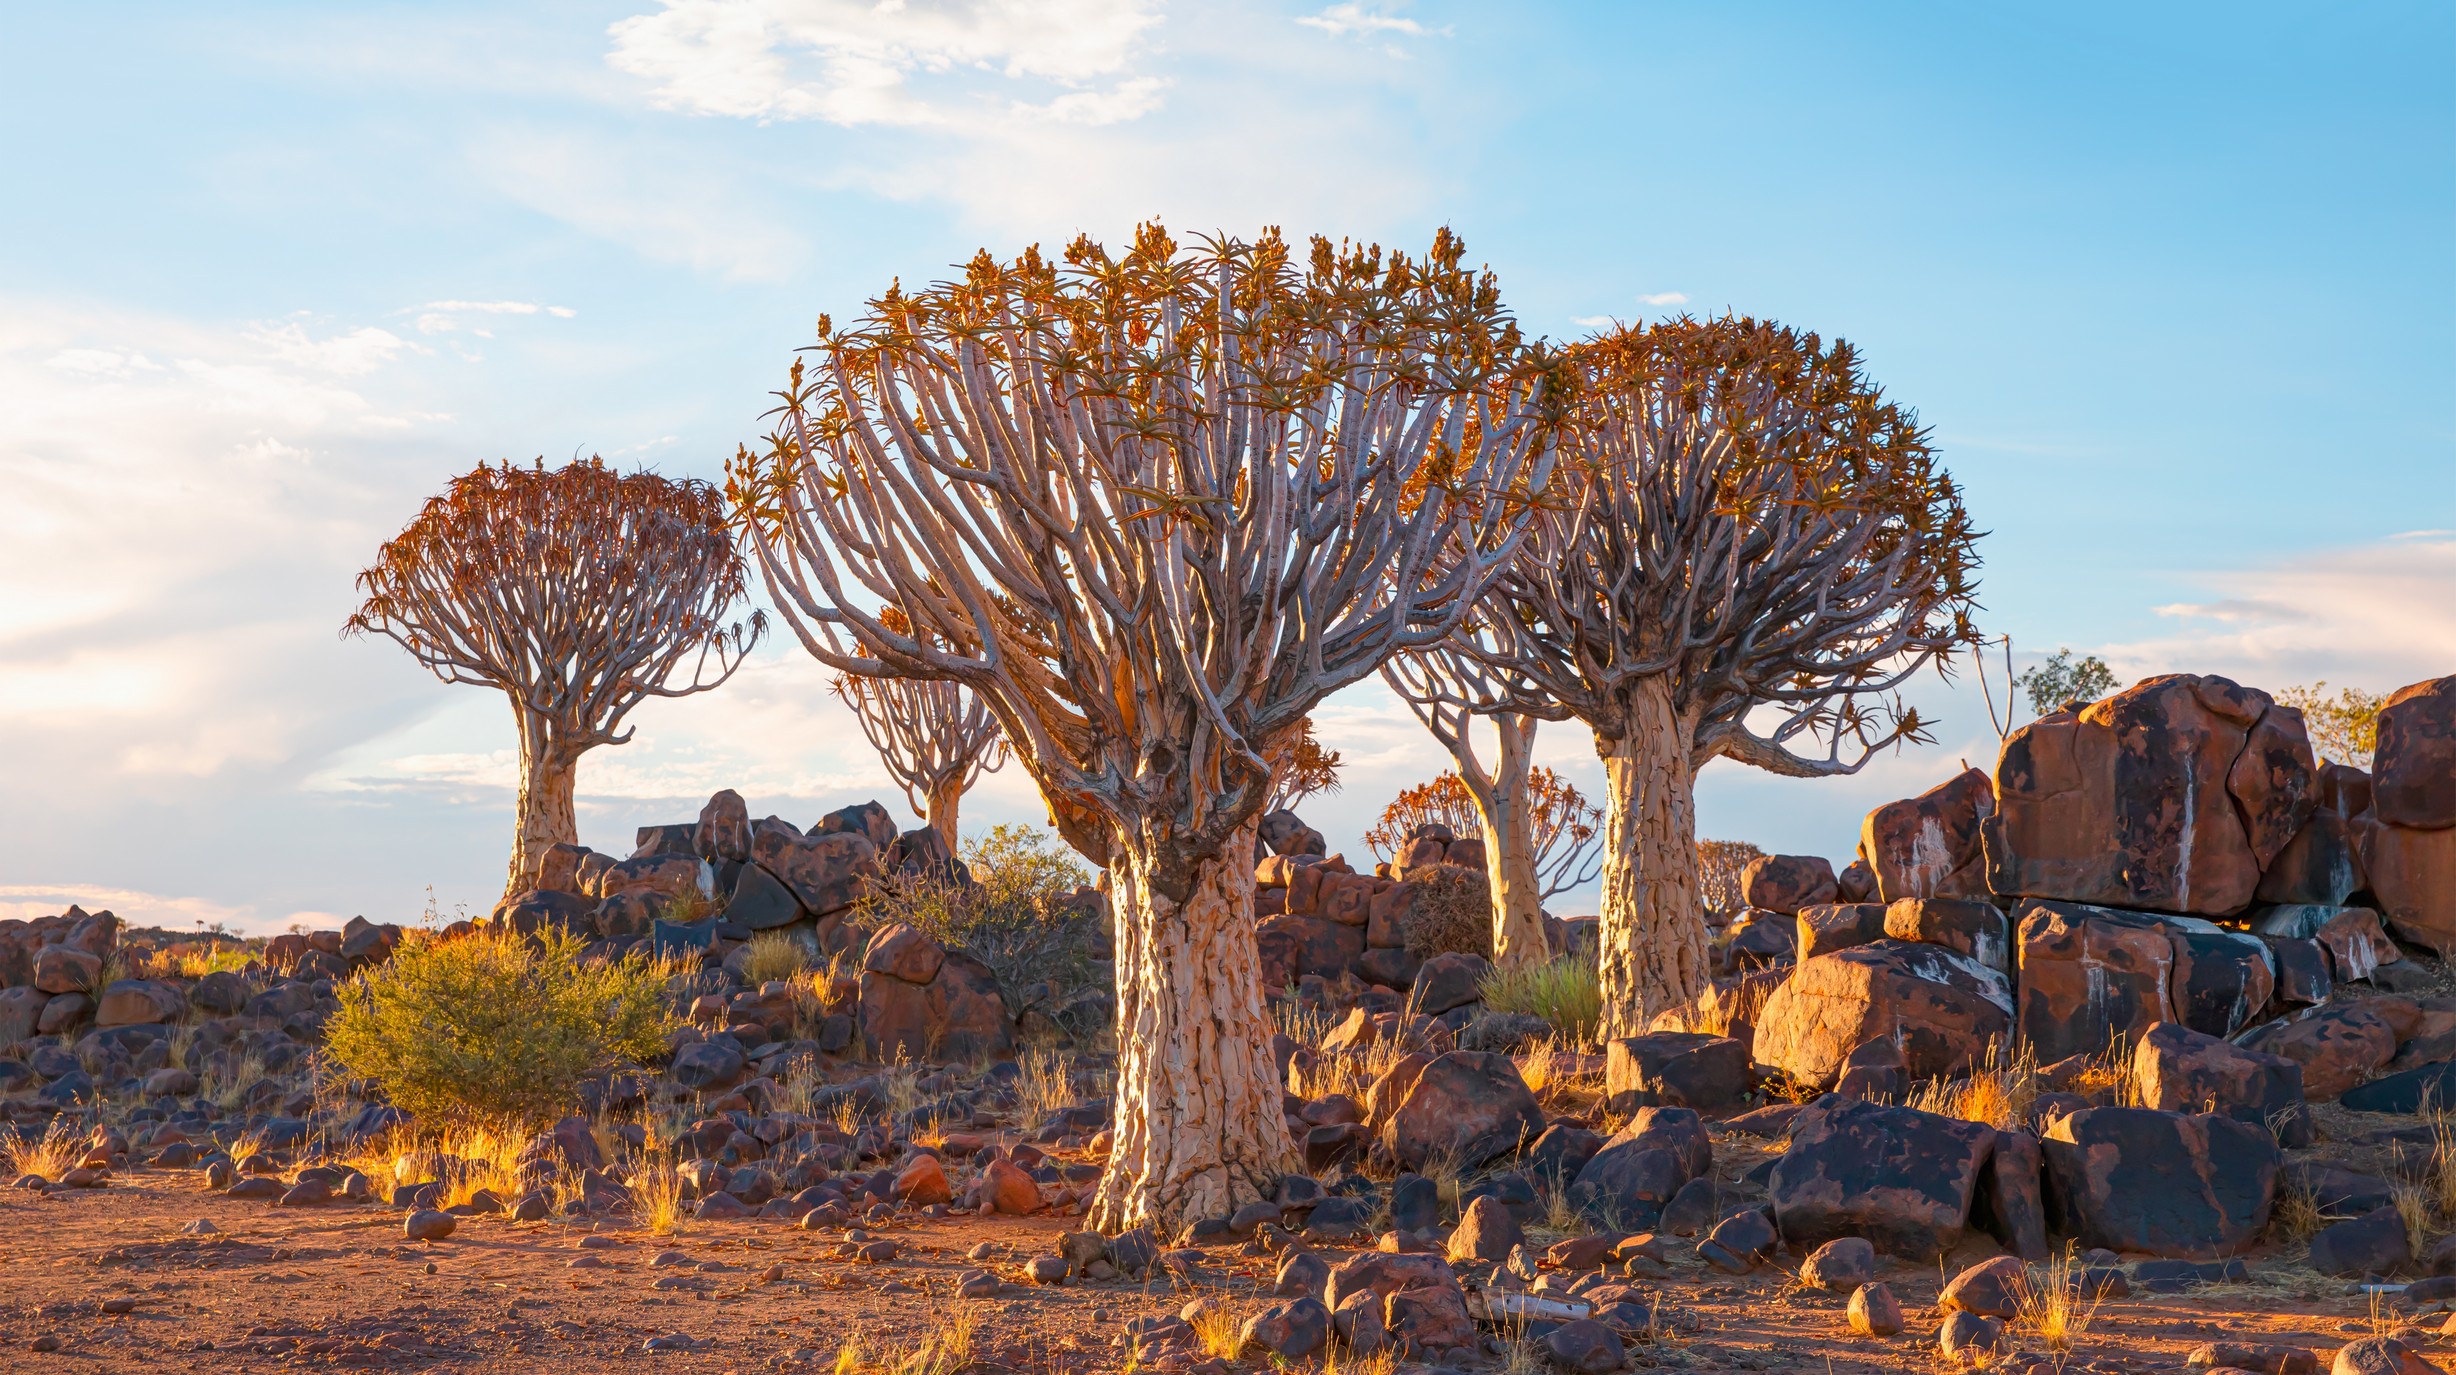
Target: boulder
(2088,975)
(1759,939)
(2373,1244)
(1830,926)
(135,1002)
(1626,1183)
(826,872)
(1288,1331)
(1486,1233)
(2176,1069)
(2428,1088)
(1741,1242)
(2321,864)
(1583,1346)
(1965,926)
(2221,980)
(1942,1010)
(923,853)
(761,901)
(1901,1178)
(956,1015)
(1429,1319)
(2379,1356)
(2303,978)
(2356,944)
(2413,770)
(21,1010)
(2413,875)
(1448,980)
(1874,1312)
(1287,834)
(2166,795)
(1674,1068)
(558,870)
(664,875)
(1467,1106)
(552,909)
(870,820)
(1856,882)
(1782,884)
(1992,1288)
(901,952)
(2197,1186)
(1293,947)
(66,969)
(657,842)
(724,829)
(2338,1046)
(1840,1265)
(2010,1204)
(1929,846)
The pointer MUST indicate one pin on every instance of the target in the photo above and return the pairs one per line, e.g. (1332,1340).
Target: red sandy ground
(289,1289)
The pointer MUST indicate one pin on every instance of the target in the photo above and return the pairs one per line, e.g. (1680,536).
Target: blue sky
(2173,285)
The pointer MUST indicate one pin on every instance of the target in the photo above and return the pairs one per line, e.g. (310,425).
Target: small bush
(1567,992)
(1451,910)
(1018,917)
(495,1029)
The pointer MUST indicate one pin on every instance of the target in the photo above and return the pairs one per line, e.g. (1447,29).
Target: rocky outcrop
(1783,884)
(925,1002)
(1940,1009)
(2171,795)
(1929,846)
(2195,1186)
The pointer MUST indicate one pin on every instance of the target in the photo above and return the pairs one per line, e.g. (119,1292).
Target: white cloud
(1665,298)
(853,63)
(1342,20)
(443,317)
(2376,614)
(352,353)
(1593,321)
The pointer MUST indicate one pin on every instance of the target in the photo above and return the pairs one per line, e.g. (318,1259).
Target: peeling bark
(1653,937)
(1199,1131)
(946,796)
(547,818)
(1509,846)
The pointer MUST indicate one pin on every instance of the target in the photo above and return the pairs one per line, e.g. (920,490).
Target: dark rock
(1965,926)
(1467,1106)
(2372,1244)
(1288,1331)
(2177,1069)
(1627,1182)
(1783,884)
(2088,975)
(1583,1347)
(2010,1204)
(1674,1069)
(2222,979)
(1827,927)
(2166,1184)
(1486,1233)
(1445,981)
(1903,1179)
(1874,1312)
(1991,1288)
(1968,1336)
(1929,846)
(1840,1265)
(1415,1204)
(1741,1242)
(2303,978)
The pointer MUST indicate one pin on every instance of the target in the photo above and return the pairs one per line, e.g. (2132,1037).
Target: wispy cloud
(2378,614)
(1665,298)
(852,62)
(662,205)
(1348,18)
(445,317)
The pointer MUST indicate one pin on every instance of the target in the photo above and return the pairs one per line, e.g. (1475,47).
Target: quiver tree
(1153,507)
(1746,548)
(577,591)
(1539,833)
(1307,769)
(935,735)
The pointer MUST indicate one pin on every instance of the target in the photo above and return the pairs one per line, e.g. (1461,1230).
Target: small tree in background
(936,737)
(1753,550)
(1153,508)
(2063,678)
(1307,771)
(1719,866)
(578,592)
(2344,728)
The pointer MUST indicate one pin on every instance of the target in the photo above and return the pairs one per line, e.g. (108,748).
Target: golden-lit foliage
(1741,513)
(1308,769)
(2344,729)
(1151,505)
(1563,821)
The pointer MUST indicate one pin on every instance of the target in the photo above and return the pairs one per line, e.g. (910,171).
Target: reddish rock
(21,1010)
(2088,975)
(1429,1319)
(1741,1242)
(1902,1178)
(2133,802)
(901,952)
(1288,1331)
(2356,944)
(2375,1243)
(668,876)
(1384,1273)
(1874,1312)
(1840,1265)
(2222,979)
(2379,1356)
(2168,1184)
(826,871)
(1383,917)
(2413,874)
(1760,939)
(1929,846)
(2303,976)
(1294,946)
(1348,899)
(1467,1106)
(1992,1288)
(1830,926)
(136,1002)
(1941,1009)
(922,1181)
(1966,926)
(559,869)
(1856,882)
(1674,1068)
(1467,851)
(1783,884)
(1007,1189)
(957,1015)
(1486,1232)
(1626,1183)
(2337,1046)
(723,832)
(2413,771)
(2320,864)
(66,969)
(2176,1069)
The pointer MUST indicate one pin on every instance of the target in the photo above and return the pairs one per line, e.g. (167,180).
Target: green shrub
(1450,911)
(495,1028)
(1047,952)
(1567,992)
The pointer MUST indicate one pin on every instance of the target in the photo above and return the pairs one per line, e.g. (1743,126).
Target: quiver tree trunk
(1509,849)
(546,814)
(1199,1130)
(1653,937)
(946,797)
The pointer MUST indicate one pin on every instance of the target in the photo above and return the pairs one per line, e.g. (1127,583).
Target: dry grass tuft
(58,1150)
(1045,1087)
(1220,1329)
(1998,1092)
(1342,1361)
(773,955)
(2051,1306)
(656,1196)
(1567,993)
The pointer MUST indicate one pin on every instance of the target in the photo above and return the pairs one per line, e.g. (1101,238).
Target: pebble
(119,1305)
(976,1284)
(598,1243)
(1045,1270)
(983,1251)
(48,1342)
(201,1227)
(428,1225)
(668,1259)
